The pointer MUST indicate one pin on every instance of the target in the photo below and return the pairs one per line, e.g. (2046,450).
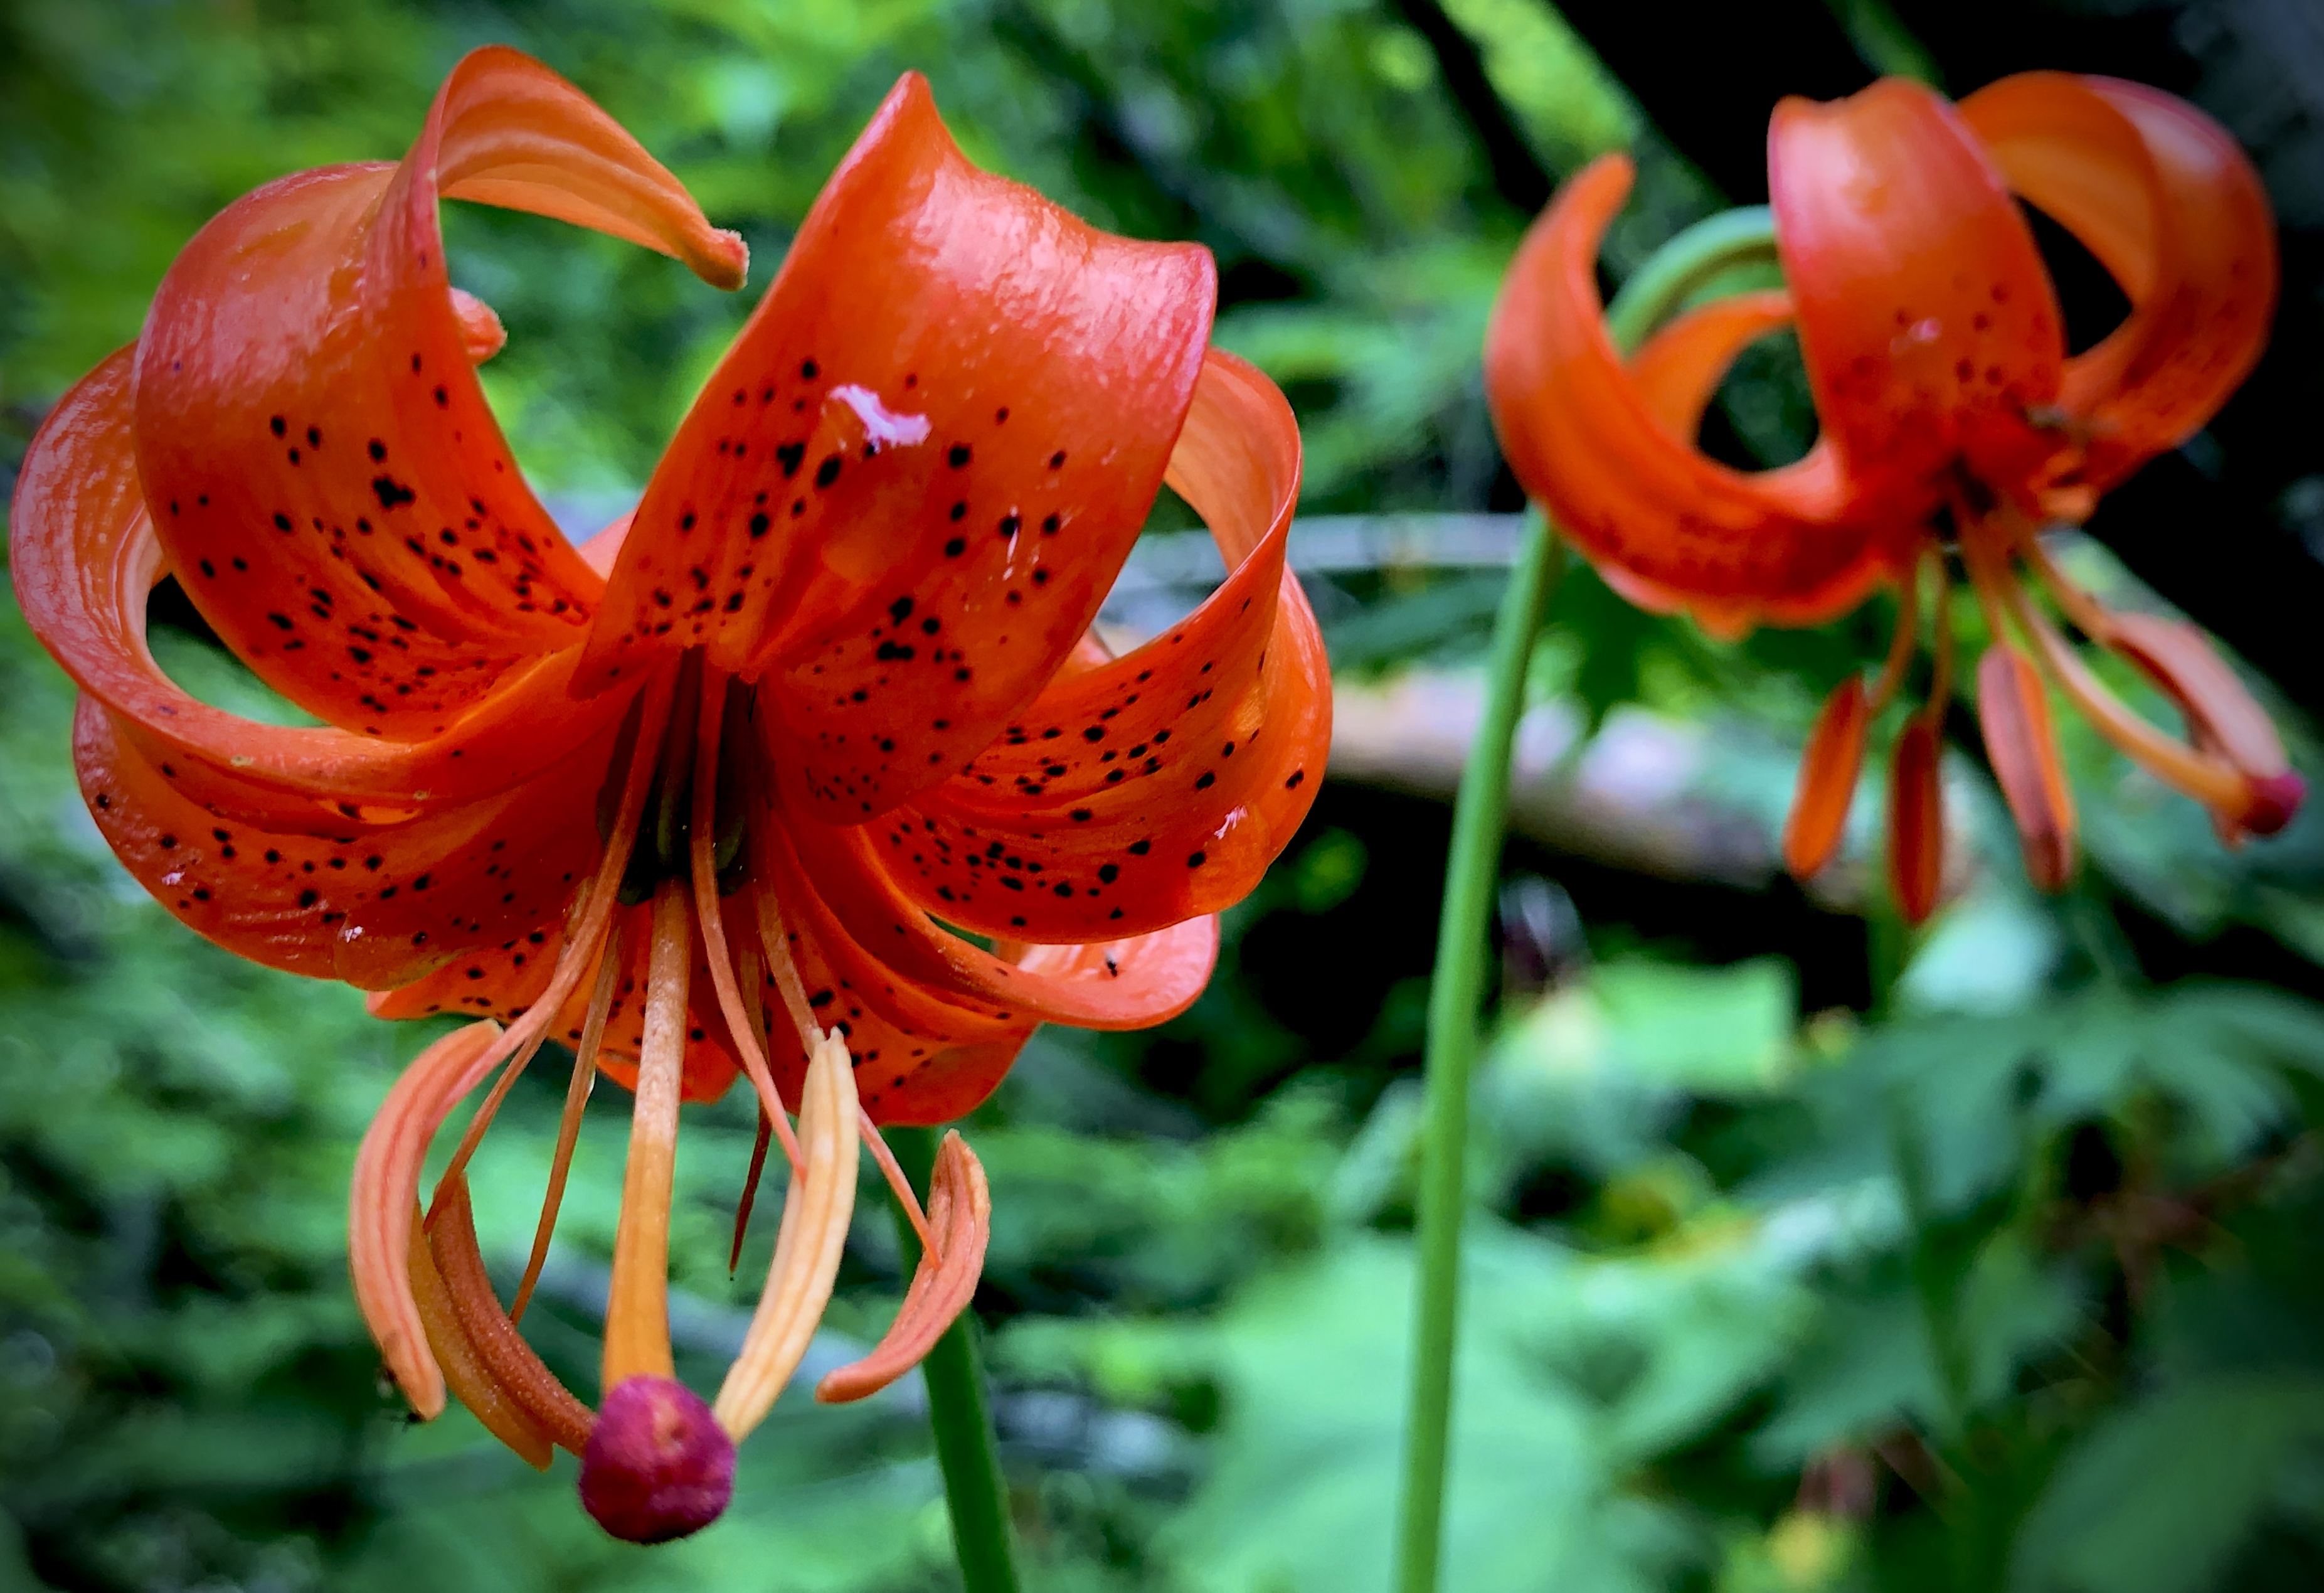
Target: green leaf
(2159,1497)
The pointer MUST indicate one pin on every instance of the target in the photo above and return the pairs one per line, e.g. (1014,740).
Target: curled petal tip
(2276,801)
(658,1466)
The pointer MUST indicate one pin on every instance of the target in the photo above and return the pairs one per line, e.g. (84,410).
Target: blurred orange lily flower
(1951,417)
(828,696)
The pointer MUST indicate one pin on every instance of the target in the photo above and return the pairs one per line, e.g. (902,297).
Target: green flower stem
(1480,814)
(958,1412)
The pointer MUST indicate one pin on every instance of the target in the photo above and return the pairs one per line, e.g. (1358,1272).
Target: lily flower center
(658,1462)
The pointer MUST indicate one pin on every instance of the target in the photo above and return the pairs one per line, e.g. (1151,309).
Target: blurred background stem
(959,1412)
(1680,268)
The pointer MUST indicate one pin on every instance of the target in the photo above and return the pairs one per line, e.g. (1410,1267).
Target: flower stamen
(2210,781)
(752,972)
(703,848)
(808,1245)
(498,1347)
(590,930)
(569,1124)
(459,1361)
(959,1208)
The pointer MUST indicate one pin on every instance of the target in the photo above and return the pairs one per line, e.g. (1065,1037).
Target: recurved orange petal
(2014,712)
(1926,317)
(1207,743)
(1793,545)
(84,558)
(321,463)
(1678,369)
(906,489)
(2169,204)
(1126,984)
(372,904)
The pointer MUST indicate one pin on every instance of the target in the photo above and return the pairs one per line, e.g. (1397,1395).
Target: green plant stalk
(1479,815)
(958,1411)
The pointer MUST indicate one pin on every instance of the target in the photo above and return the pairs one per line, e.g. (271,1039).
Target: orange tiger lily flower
(828,697)
(1951,417)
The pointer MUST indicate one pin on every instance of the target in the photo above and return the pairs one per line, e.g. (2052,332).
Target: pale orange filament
(2210,781)
(590,926)
(1941,669)
(2089,618)
(637,1309)
(703,848)
(1987,582)
(568,1126)
(901,1186)
(1901,645)
(775,938)
(753,973)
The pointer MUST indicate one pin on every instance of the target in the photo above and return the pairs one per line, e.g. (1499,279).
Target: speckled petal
(1156,786)
(321,463)
(903,494)
(1131,983)
(921,1055)
(370,905)
(1926,317)
(84,556)
(2161,195)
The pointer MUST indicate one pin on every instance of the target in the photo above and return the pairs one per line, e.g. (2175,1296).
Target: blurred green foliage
(2010,1280)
